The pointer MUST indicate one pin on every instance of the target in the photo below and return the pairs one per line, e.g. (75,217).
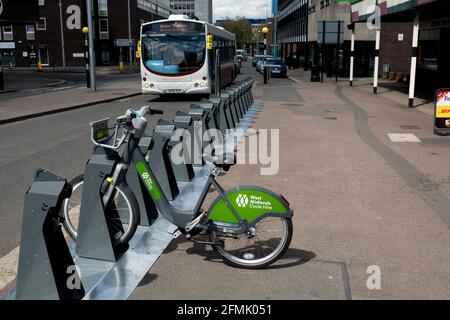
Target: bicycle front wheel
(269,240)
(122,212)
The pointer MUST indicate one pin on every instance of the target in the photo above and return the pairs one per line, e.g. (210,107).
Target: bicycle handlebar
(147,110)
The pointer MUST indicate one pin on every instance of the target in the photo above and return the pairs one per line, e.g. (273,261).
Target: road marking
(403,137)
(62,88)
(8,267)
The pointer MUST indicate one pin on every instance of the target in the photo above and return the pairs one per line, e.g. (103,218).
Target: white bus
(176,57)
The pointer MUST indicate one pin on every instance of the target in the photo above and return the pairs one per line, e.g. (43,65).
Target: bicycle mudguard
(251,203)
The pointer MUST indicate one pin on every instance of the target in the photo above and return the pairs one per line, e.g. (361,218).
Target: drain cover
(330,118)
(403,137)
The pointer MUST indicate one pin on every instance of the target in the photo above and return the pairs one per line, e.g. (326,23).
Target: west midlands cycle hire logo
(242,200)
(147,180)
(252,202)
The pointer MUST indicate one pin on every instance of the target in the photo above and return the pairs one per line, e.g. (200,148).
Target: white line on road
(8,267)
(62,88)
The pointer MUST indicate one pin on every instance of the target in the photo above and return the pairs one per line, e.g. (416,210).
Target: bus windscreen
(173,48)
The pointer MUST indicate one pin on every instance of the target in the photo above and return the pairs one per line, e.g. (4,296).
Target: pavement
(391,90)
(361,202)
(365,207)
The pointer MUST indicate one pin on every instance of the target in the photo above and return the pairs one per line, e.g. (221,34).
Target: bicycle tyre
(130,199)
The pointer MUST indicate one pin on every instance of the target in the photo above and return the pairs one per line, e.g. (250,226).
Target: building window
(31,34)
(104,29)
(103,8)
(8,33)
(41,2)
(41,25)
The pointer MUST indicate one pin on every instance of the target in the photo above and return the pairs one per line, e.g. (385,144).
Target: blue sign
(275,7)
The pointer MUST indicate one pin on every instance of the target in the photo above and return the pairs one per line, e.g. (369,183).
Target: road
(58,142)
(26,83)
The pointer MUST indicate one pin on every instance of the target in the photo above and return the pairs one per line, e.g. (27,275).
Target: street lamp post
(129,32)
(63,50)
(91,45)
(85,31)
(265,30)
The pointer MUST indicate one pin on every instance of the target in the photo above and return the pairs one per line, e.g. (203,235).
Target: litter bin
(315,73)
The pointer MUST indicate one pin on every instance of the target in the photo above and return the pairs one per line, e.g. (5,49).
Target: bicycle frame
(222,215)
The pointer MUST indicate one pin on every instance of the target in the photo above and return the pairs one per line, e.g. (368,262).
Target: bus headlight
(146,85)
(196,84)
(152,85)
(202,84)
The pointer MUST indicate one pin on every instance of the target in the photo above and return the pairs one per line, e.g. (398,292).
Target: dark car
(278,67)
(261,60)
(255,59)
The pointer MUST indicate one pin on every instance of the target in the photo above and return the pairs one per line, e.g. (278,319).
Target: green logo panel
(248,203)
(147,179)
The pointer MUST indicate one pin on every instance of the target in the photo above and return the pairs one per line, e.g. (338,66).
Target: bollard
(45,263)
(39,66)
(96,226)
(266,80)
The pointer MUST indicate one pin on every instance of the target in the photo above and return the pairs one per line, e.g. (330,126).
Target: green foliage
(241,28)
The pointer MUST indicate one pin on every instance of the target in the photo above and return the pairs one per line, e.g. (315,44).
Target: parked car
(260,62)
(255,59)
(237,66)
(241,54)
(278,67)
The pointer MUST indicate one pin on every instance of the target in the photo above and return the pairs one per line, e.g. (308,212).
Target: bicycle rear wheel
(269,240)
(122,212)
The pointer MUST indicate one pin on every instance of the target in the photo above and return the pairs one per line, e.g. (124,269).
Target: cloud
(245,8)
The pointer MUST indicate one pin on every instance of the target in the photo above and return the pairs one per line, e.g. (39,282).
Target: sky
(246,8)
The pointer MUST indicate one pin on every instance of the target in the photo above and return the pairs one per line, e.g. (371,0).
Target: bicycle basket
(101,133)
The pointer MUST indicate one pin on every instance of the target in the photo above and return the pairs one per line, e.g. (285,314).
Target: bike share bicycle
(249,226)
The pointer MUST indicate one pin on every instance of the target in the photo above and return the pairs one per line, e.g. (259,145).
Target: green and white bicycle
(249,226)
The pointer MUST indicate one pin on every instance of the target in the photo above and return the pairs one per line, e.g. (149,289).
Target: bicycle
(241,223)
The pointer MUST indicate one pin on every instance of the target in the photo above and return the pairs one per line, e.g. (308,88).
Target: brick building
(24,46)
(423,59)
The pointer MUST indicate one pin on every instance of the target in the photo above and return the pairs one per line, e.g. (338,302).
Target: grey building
(327,10)
(200,9)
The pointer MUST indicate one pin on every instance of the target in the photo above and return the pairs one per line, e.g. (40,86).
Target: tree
(241,28)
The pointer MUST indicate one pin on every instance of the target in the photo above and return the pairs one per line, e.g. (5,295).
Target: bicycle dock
(104,271)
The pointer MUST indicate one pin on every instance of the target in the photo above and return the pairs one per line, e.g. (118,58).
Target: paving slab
(293,277)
